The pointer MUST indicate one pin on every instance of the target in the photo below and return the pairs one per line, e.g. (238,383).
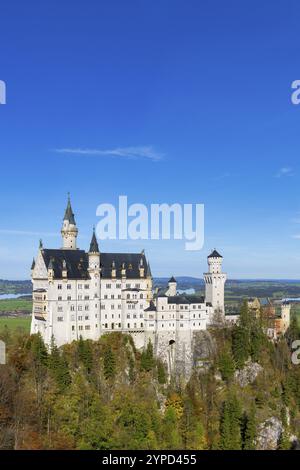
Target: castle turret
(69,230)
(172,287)
(215,282)
(94,253)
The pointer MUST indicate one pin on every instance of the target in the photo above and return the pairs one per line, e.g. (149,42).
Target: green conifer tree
(109,363)
(250,429)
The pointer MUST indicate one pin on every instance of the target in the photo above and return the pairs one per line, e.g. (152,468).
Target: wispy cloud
(296,237)
(222,176)
(284,171)
(140,152)
(4,231)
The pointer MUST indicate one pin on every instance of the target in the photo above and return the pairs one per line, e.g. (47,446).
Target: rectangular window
(60,318)
(80,318)
(79,297)
(59,286)
(86,308)
(69,297)
(59,297)
(69,286)
(59,309)
(79,286)
(86,317)
(80,327)
(118,286)
(87,327)
(86,286)
(79,307)
(73,327)
(108,286)
(72,308)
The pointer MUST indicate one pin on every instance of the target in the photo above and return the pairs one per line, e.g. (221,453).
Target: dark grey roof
(215,254)
(94,248)
(131,262)
(151,307)
(185,299)
(172,279)
(33,264)
(76,263)
(69,215)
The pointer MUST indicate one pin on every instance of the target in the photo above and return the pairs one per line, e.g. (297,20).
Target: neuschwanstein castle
(78,293)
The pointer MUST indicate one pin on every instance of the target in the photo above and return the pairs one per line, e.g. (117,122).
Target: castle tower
(94,254)
(215,282)
(95,285)
(69,230)
(285,316)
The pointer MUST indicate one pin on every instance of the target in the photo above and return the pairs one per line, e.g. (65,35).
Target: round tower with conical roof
(69,230)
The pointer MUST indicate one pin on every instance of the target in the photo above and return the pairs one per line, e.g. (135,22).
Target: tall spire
(94,248)
(69,215)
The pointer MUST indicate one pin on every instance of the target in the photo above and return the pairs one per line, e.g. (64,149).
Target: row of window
(119,325)
(69,286)
(128,286)
(182,307)
(72,308)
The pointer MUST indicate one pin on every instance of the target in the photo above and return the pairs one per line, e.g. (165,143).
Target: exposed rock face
(203,347)
(187,350)
(248,374)
(269,433)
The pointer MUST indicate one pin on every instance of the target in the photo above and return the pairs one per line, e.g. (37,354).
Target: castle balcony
(40,317)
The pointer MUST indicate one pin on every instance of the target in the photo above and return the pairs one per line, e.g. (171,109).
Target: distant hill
(235,289)
(15,287)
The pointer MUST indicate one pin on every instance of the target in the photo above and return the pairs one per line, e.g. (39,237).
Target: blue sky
(200,90)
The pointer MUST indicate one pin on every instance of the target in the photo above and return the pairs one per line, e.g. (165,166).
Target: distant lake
(12,296)
(190,291)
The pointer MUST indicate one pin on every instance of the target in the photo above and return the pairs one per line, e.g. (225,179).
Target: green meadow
(13,323)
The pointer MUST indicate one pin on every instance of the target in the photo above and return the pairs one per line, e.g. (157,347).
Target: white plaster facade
(78,293)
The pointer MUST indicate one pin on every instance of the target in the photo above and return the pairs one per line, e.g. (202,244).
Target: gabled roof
(130,261)
(76,263)
(215,254)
